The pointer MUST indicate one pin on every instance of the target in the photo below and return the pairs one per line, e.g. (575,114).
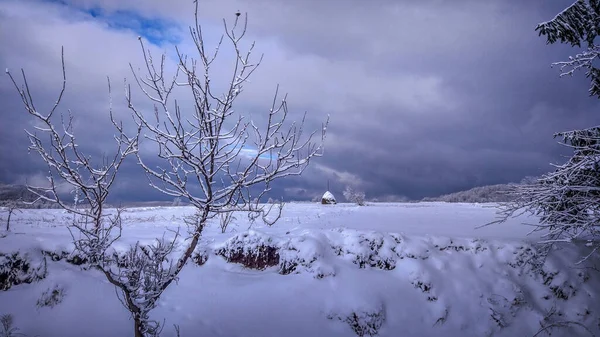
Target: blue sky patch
(156,30)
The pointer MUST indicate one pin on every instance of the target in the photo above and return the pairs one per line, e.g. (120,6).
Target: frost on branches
(578,23)
(213,158)
(567,201)
(354,196)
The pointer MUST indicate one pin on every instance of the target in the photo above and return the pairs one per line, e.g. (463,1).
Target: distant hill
(481,194)
(16,192)
(9,192)
(13,192)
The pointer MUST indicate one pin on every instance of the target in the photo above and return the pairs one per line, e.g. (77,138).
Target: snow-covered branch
(355,196)
(213,157)
(566,201)
(212,147)
(65,160)
(575,25)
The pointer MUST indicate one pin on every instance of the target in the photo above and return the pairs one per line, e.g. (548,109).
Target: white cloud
(342,177)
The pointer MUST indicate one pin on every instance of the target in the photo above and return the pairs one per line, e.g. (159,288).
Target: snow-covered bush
(352,195)
(252,249)
(371,249)
(51,297)
(306,254)
(17,269)
(7,328)
(363,322)
(200,255)
(74,257)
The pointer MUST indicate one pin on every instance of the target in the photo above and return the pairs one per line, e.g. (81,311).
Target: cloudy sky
(424,97)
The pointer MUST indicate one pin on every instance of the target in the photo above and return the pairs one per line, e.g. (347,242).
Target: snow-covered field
(385,269)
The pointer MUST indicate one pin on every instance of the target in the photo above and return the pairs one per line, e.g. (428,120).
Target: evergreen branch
(577,23)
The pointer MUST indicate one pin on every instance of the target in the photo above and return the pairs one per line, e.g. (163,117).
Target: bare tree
(212,148)
(11,206)
(68,164)
(176,202)
(352,195)
(209,147)
(93,229)
(225,219)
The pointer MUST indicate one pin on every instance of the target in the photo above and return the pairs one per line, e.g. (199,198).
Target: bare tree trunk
(137,326)
(8,220)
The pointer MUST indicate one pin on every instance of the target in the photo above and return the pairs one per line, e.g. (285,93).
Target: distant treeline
(10,194)
(481,194)
(24,197)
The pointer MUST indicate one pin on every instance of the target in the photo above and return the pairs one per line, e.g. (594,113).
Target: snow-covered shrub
(526,258)
(352,195)
(504,305)
(422,282)
(448,244)
(560,283)
(75,257)
(200,255)
(305,254)
(225,219)
(51,297)
(17,269)
(252,249)
(414,249)
(363,322)
(554,319)
(7,328)
(371,249)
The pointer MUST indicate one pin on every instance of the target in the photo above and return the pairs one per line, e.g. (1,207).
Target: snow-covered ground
(417,269)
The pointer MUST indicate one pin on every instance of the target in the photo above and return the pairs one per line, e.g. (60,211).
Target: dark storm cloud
(425,97)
